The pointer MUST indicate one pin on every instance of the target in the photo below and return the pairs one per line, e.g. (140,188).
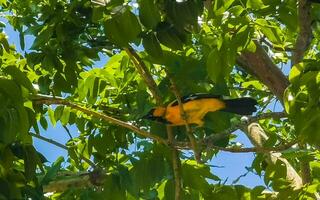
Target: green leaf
(170,36)
(24,125)
(220,62)
(256,84)
(43,36)
(236,10)
(112,187)
(243,193)
(295,71)
(44,123)
(51,117)
(222,192)
(65,116)
(52,172)
(149,13)
(58,112)
(184,14)
(31,160)
(308,125)
(88,88)
(19,77)
(60,83)
(195,175)
(218,121)
(221,6)
(122,28)
(271,30)
(147,171)
(11,89)
(255,4)
(152,45)
(4,42)
(97,14)
(169,189)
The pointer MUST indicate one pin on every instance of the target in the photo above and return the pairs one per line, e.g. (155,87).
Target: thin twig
(186,145)
(176,163)
(250,119)
(68,131)
(92,164)
(273,115)
(145,74)
(48,100)
(194,145)
(256,149)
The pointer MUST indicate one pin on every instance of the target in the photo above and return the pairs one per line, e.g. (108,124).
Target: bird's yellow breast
(195,111)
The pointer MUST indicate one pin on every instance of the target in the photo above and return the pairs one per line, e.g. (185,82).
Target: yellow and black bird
(196,106)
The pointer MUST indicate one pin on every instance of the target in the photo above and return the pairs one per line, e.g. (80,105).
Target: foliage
(196,43)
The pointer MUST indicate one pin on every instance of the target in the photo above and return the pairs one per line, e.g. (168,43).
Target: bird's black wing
(195,96)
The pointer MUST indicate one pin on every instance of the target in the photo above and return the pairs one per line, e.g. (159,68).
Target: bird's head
(156,114)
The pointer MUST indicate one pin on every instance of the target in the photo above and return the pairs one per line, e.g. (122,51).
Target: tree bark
(258,137)
(260,65)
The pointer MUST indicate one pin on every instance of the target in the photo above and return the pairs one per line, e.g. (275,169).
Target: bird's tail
(241,106)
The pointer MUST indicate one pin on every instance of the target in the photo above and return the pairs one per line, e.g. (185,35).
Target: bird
(197,105)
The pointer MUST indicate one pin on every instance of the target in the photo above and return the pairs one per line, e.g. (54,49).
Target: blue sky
(230,165)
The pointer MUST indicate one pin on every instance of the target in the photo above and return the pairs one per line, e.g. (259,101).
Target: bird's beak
(149,115)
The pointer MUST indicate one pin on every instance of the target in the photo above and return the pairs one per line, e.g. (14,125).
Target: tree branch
(259,64)
(92,164)
(48,100)
(145,74)
(302,43)
(305,170)
(211,139)
(258,137)
(282,147)
(68,131)
(192,139)
(257,149)
(273,115)
(305,32)
(176,163)
(75,180)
